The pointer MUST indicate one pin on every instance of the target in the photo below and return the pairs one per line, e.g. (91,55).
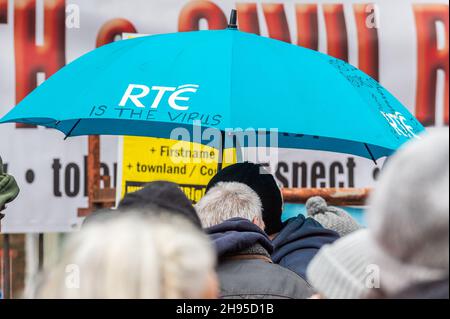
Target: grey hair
(131,257)
(228,200)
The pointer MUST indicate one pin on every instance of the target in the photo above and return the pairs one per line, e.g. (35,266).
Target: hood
(236,235)
(301,233)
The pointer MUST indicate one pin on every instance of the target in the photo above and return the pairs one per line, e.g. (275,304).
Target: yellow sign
(190,165)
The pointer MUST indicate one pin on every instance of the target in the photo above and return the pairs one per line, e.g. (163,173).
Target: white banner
(403,43)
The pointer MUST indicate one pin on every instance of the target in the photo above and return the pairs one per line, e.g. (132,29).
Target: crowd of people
(234,244)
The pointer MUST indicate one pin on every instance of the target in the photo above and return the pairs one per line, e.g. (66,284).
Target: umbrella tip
(233,20)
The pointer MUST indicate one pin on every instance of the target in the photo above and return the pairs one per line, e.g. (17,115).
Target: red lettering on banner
(3,11)
(113,28)
(248,17)
(307,26)
(276,20)
(194,11)
(431,59)
(32,58)
(337,41)
(368,46)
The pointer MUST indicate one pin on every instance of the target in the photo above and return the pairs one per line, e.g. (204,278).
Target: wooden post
(97,197)
(333,196)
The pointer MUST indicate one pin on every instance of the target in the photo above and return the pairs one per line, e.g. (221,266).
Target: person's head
(333,218)
(345,269)
(407,242)
(133,256)
(409,214)
(228,200)
(8,190)
(166,195)
(262,183)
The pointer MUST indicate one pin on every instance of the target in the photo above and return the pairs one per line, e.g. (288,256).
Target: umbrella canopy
(225,80)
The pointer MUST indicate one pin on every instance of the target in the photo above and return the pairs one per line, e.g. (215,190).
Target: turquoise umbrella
(223,80)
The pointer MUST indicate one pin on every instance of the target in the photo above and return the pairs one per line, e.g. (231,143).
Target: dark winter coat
(245,268)
(298,242)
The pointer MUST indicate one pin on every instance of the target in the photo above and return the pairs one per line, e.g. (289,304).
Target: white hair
(132,257)
(228,200)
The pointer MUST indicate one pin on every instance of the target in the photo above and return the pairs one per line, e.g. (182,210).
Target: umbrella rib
(71,130)
(370,153)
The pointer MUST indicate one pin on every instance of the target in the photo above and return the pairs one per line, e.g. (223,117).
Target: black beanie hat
(263,183)
(161,194)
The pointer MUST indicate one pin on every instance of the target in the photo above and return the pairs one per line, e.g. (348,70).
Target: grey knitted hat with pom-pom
(330,217)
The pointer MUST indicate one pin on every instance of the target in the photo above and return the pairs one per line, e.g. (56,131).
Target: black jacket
(298,242)
(245,268)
